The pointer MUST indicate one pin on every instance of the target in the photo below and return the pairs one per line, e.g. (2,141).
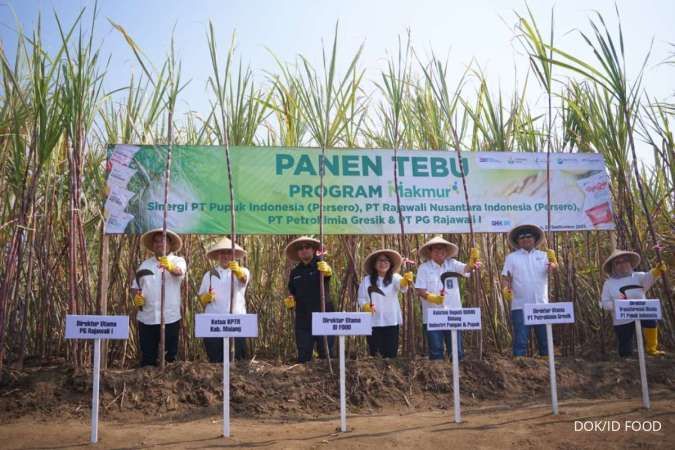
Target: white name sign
(543,313)
(97,327)
(638,309)
(453,319)
(342,324)
(226,325)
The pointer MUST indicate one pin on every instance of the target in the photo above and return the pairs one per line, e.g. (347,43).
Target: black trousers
(625,336)
(305,343)
(148,337)
(384,341)
(214,349)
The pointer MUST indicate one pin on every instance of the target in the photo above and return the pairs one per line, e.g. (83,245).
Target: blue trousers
(625,336)
(521,335)
(439,339)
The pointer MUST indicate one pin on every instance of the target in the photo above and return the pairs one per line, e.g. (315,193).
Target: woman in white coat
(378,295)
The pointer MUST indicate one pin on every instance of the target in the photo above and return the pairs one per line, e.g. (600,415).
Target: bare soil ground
(391,403)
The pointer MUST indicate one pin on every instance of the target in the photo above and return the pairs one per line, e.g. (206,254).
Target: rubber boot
(652,342)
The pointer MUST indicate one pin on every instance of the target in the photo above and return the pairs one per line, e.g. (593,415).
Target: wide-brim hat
(394,257)
(425,250)
(607,265)
(225,244)
(175,242)
(292,247)
(534,229)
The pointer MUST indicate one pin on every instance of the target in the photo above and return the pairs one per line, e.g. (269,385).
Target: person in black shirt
(305,297)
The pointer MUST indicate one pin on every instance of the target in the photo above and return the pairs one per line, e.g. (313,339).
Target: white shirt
(221,287)
(387,308)
(611,292)
(429,278)
(151,286)
(529,276)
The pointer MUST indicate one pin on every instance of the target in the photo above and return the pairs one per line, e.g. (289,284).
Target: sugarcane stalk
(403,244)
(477,284)
(219,89)
(162,295)
(322,287)
(650,221)
(233,226)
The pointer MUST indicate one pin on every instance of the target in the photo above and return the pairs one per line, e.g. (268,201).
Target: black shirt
(303,284)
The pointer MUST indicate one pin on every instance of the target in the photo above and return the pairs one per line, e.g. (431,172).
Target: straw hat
(425,250)
(607,265)
(225,244)
(292,247)
(535,230)
(394,257)
(175,242)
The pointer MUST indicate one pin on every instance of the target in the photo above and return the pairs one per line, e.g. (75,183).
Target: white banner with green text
(277,190)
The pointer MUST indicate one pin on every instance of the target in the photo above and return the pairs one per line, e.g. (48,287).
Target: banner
(277,190)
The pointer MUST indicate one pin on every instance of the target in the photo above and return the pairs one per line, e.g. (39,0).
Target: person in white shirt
(624,283)
(439,256)
(525,280)
(378,295)
(146,289)
(214,294)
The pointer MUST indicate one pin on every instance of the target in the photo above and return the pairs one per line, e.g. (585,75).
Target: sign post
(342,324)
(637,310)
(440,319)
(549,314)
(226,326)
(96,328)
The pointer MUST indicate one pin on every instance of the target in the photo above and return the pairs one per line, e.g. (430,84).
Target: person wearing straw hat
(214,293)
(624,283)
(439,258)
(305,295)
(147,295)
(525,280)
(378,295)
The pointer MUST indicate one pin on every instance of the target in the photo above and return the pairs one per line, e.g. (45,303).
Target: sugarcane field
(347,224)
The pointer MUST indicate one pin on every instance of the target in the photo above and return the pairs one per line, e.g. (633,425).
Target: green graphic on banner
(277,190)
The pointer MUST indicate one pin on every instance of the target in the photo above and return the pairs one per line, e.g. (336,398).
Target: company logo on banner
(277,190)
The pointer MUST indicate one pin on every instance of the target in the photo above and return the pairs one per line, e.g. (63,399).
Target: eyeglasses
(525,236)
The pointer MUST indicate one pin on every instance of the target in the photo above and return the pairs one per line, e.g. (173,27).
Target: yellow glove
(552,258)
(369,308)
(139,300)
(207,297)
(436,299)
(659,269)
(474,258)
(324,268)
(237,270)
(289,302)
(168,265)
(507,293)
(408,279)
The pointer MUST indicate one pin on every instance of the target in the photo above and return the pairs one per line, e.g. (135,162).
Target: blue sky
(478,30)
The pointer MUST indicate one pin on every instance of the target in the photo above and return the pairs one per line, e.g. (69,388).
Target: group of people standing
(524,279)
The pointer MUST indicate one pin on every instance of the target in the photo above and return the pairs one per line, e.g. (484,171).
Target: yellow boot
(652,342)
